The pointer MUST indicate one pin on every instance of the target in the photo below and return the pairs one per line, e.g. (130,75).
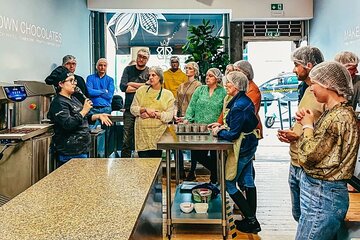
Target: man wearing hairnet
(304,58)
(69,62)
(327,153)
(350,62)
(173,77)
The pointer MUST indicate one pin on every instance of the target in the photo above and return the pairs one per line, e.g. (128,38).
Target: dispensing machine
(24,148)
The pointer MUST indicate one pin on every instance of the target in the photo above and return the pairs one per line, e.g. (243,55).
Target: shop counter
(89,199)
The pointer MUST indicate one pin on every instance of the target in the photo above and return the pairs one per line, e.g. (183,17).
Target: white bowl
(201,207)
(186,207)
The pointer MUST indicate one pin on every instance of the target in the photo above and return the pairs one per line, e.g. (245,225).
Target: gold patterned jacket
(329,153)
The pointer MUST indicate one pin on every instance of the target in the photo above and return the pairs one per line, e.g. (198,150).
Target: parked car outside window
(282,87)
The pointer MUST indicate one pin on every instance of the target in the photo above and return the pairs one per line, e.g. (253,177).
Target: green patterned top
(329,153)
(204,108)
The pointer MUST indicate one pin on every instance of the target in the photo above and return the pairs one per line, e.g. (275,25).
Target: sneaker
(248,225)
(190,177)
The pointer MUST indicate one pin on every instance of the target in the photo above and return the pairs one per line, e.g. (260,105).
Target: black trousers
(210,162)
(128,142)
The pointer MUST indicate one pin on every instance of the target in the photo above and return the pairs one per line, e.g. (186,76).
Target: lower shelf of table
(213,216)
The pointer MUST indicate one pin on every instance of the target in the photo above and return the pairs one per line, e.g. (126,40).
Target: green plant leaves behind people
(205,49)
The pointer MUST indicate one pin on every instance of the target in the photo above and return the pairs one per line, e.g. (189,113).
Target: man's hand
(130,89)
(287,136)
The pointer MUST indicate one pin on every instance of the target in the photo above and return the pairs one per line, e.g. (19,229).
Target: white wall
(269,59)
(336,27)
(36,34)
(240,9)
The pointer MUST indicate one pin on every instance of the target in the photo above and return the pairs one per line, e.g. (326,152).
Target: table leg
(177,170)
(223,194)
(168,194)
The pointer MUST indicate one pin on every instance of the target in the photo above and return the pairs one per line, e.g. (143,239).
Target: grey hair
(347,58)
(195,66)
(307,54)
(68,58)
(158,71)
(239,80)
(145,50)
(246,68)
(101,60)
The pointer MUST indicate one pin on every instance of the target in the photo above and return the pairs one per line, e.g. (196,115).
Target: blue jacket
(241,118)
(101,90)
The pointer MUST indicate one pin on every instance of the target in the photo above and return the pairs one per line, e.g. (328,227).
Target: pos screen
(15,93)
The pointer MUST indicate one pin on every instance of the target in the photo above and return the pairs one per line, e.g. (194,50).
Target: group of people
(324,141)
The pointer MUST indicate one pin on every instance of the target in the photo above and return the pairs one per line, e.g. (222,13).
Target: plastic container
(201,195)
(201,207)
(186,207)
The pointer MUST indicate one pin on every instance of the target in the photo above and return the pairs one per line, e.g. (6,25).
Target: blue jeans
(324,205)
(244,176)
(64,158)
(294,183)
(96,111)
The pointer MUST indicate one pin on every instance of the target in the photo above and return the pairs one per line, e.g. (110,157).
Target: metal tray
(193,133)
(36,129)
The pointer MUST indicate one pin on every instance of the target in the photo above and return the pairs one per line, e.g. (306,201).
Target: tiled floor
(274,209)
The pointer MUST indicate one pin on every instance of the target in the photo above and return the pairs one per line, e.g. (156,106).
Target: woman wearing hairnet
(153,108)
(239,127)
(327,153)
(205,107)
(182,100)
(350,62)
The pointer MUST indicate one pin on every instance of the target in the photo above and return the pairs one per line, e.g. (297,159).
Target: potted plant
(205,49)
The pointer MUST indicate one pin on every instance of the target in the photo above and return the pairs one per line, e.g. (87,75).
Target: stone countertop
(83,199)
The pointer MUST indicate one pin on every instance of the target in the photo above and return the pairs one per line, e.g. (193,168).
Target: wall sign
(26,31)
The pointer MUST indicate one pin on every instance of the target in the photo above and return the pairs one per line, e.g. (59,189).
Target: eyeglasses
(72,81)
(142,57)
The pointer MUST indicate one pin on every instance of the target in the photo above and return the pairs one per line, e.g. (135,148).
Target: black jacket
(72,134)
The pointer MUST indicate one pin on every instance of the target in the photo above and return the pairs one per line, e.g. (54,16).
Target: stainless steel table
(171,141)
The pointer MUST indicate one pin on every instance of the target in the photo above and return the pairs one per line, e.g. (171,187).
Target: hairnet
(158,71)
(347,58)
(67,59)
(195,66)
(239,80)
(229,68)
(246,68)
(174,58)
(334,76)
(217,73)
(307,54)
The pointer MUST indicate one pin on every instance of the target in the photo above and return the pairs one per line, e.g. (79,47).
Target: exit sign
(277,6)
